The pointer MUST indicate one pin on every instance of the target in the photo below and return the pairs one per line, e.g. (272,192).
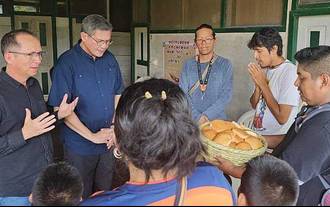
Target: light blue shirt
(219,88)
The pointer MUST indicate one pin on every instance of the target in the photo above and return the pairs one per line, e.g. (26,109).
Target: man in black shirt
(25,144)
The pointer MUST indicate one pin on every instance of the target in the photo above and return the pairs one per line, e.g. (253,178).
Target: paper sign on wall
(176,52)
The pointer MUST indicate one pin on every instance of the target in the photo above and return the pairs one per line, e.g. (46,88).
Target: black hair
(58,185)
(203,26)
(269,181)
(315,60)
(267,37)
(156,133)
(9,39)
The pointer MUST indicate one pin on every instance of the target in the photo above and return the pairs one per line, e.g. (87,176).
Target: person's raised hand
(34,127)
(66,109)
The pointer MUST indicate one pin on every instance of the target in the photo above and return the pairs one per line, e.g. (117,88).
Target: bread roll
(220,125)
(254,142)
(209,133)
(223,138)
(243,146)
(241,133)
(236,139)
(233,145)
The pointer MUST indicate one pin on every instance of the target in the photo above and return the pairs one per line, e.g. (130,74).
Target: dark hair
(156,133)
(95,22)
(58,185)
(268,38)
(316,60)
(203,26)
(269,181)
(9,39)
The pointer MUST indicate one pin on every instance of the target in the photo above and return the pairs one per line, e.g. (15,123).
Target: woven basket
(236,156)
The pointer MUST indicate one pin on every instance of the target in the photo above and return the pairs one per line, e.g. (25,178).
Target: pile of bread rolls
(231,134)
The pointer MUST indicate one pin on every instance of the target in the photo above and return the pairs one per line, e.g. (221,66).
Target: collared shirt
(307,150)
(95,82)
(20,161)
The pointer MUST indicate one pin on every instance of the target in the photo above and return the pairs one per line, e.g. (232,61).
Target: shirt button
(98,82)
(102,94)
(106,108)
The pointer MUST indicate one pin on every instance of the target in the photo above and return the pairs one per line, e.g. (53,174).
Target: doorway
(140,52)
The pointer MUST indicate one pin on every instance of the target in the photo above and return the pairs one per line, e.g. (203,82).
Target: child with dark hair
(160,143)
(58,185)
(268,181)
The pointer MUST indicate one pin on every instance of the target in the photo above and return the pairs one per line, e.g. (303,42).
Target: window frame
(299,11)
(228,29)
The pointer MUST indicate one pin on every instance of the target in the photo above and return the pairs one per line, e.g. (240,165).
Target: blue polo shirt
(95,82)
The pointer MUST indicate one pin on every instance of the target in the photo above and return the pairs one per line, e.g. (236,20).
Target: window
(304,2)
(197,12)
(6,7)
(120,22)
(161,18)
(86,7)
(62,8)
(254,12)
(185,14)
(25,8)
(34,6)
(140,11)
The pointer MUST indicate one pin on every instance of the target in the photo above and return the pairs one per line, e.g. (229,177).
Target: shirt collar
(82,52)
(4,75)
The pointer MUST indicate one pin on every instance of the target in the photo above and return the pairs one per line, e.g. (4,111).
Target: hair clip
(163,97)
(147,95)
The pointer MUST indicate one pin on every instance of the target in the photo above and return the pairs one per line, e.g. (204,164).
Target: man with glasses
(207,79)
(25,141)
(89,71)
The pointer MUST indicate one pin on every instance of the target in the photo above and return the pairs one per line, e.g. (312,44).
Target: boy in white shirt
(275,97)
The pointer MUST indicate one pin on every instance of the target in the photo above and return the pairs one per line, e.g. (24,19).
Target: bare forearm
(76,125)
(254,99)
(274,140)
(281,114)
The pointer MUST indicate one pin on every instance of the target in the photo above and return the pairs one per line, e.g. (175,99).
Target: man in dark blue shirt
(89,71)
(25,144)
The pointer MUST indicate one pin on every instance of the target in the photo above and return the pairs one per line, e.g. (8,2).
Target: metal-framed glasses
(31,55)
(207,40)
(100,43)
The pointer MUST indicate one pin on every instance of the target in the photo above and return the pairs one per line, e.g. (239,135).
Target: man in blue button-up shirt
(89,71)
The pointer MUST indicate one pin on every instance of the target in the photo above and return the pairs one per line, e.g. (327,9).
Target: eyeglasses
(207,40)
(100,43)
(31,54)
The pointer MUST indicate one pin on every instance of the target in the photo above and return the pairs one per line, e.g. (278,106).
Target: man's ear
(8,57)
(325,78)
(241,201)
(274,50)
(83,36)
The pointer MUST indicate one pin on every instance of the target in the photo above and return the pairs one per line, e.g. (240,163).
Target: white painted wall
(121,48)
(62,33)
(229,45)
